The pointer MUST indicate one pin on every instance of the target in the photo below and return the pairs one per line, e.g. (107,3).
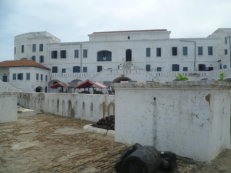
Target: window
(37,76)
(148,67)
(20,76)
(76,69)
(33,58)
(99,68)
(158,52)
(54,54)
(174,51)
(4,78)
(224,66)
(200,50)
(210,50)
(46,77)
(76,53)
(185,68)
(202,67)
(185,51)
(40,47)
(226,40)
(27,76)
(159,69)
(85,53)
(22,48)
(104,55)
(175,67)
(14,76)
(148,52)
(226,52)
(85,69)
(14,50)
(54,69)
(41,77)
(33,47)
(63,70)
(41,59)
(63,54)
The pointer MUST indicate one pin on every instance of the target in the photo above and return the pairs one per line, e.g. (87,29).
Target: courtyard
(49,143)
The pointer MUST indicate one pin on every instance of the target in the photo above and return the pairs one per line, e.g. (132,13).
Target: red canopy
(88,84)
(58,84)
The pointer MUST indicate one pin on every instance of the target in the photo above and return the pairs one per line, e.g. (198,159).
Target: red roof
(59,84)
(88,84)
(150,30)
(22,63)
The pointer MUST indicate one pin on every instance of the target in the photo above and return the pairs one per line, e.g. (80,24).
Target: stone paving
(47,143)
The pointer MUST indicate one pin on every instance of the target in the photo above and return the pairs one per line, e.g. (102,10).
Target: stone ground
(48,143)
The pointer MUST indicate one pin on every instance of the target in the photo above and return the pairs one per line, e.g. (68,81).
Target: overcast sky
(73,20)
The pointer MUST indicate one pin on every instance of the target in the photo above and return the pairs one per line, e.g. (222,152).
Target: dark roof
(88,84)
(121,78)
(22,63)
(151,30)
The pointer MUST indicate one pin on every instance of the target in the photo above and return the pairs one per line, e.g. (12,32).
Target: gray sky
(73,20)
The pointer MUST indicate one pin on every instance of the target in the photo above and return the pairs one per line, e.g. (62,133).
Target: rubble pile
(106,123)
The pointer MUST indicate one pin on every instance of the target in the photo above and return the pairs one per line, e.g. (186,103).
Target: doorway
(128,55)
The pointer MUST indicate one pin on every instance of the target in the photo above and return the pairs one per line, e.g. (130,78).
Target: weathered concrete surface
(191,119)
(8,107)
(89,107)
(47,143)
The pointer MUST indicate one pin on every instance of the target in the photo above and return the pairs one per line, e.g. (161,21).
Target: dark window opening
(22,48)
(41,59)
(33,58)
(104,55)
(40,47)
(63,70)
(185,68)
(174,51)
(27,76)
(54,69)
(20,76)
(85,53)
(210,50)
(14,76)
(63,54)
(200,50)
(37,76)
(4,78)
(76,53)
(159,69)
(76,69)
(148,52)
(185,51)
(148,67)
(34,48)
(54,54)
(128,55)
(85,69)
(158,52)
(175,67)
(99,68)
(202,67)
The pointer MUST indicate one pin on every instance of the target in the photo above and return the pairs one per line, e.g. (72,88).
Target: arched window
(104,55)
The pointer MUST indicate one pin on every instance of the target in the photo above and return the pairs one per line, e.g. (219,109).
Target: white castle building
(141,55)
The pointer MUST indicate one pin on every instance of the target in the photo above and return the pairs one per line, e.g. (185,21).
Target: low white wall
(89,107)
(8,107)
(191,119)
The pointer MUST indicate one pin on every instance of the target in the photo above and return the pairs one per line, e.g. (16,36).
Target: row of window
(33,48)
(76,69)
(176,67)
(41,59)
(19,76)
(175,51)
(54,54)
